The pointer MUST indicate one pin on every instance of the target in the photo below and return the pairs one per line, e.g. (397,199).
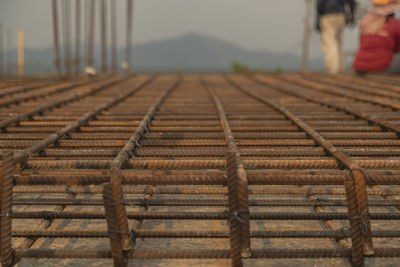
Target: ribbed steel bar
(6,209)
(200,215)
(188,178)
(122,157)
(114,232)
(199,202)
(237,184)
(197,135)
(196,164)
(18,145)
(238,224)
(317,233)
(202,254)
(201,191)
(174,129)
(197,254)
(217,152)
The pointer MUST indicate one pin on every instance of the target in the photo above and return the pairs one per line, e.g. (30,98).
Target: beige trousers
(331,34)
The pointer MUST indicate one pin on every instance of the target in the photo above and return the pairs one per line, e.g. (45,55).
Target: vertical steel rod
(114,233)
(103,32)
(55,38)
(128,35)
(6,208)
(120,211)
(362,198)
(233,200)
(355,224)
(9,67)
(68,35)
(21,54)
(65,40)
(91,33)
(77,35)
(1,51)
(113,36)
(86,31)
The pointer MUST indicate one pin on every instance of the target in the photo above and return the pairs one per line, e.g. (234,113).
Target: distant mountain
(192,52)
(197,52)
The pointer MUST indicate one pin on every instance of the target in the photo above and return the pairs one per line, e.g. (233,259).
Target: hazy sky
(273,25)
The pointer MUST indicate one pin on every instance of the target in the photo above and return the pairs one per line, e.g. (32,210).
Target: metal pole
(77,35)
(64,27)
(128,34)
(68,29)
(20,54)
(55,36)
(1,51)
(9,67)
(91,34)
(307,34)
(86,34)
(103,37)
(113,36)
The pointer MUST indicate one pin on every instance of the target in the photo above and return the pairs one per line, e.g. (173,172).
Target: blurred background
(171,35)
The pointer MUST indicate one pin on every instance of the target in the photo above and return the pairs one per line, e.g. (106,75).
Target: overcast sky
(273,25)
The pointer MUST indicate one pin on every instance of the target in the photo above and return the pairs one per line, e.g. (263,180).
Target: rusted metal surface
(124,167)
(6,209)
(114,231)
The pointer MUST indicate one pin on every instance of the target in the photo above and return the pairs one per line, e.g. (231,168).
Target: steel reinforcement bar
(238,194)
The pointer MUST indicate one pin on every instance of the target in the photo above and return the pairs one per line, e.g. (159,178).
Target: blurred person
(379,37)
(332,17)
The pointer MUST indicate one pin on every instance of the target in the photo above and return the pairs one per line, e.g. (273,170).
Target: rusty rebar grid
(378,121)
(24,116)
(343,159)
(53,138)
(183,154)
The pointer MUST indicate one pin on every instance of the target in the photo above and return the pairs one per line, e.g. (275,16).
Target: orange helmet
(383,2)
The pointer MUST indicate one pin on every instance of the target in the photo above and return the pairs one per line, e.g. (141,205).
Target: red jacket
(376,50)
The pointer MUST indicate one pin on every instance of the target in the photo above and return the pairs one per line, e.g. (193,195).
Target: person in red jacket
(380,37)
